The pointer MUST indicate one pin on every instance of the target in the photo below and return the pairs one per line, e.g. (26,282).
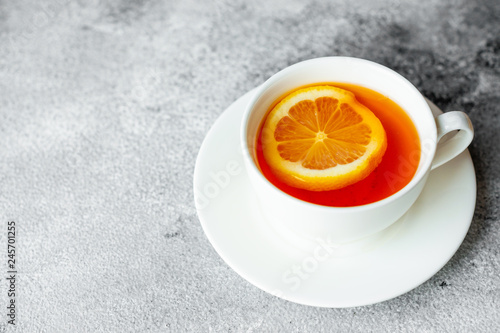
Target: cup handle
(449,147)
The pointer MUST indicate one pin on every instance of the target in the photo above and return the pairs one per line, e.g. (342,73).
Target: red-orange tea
(397,168)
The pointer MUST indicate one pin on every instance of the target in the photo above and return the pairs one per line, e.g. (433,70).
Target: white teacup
(345,224)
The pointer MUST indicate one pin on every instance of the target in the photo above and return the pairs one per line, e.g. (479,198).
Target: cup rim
(269,186)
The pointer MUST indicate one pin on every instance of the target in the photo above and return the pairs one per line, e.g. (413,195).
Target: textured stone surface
(103,108)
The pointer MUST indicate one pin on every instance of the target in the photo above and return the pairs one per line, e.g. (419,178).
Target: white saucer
(421,243)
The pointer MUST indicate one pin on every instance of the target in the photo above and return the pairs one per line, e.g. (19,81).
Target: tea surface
(397,168)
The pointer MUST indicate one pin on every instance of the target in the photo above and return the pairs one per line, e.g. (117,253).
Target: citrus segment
(321,138)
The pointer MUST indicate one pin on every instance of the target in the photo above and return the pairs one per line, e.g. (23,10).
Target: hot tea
(394,171)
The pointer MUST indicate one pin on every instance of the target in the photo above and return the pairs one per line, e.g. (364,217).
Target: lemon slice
(321,138)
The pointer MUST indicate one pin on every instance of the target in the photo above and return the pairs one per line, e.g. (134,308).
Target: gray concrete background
(104,106)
